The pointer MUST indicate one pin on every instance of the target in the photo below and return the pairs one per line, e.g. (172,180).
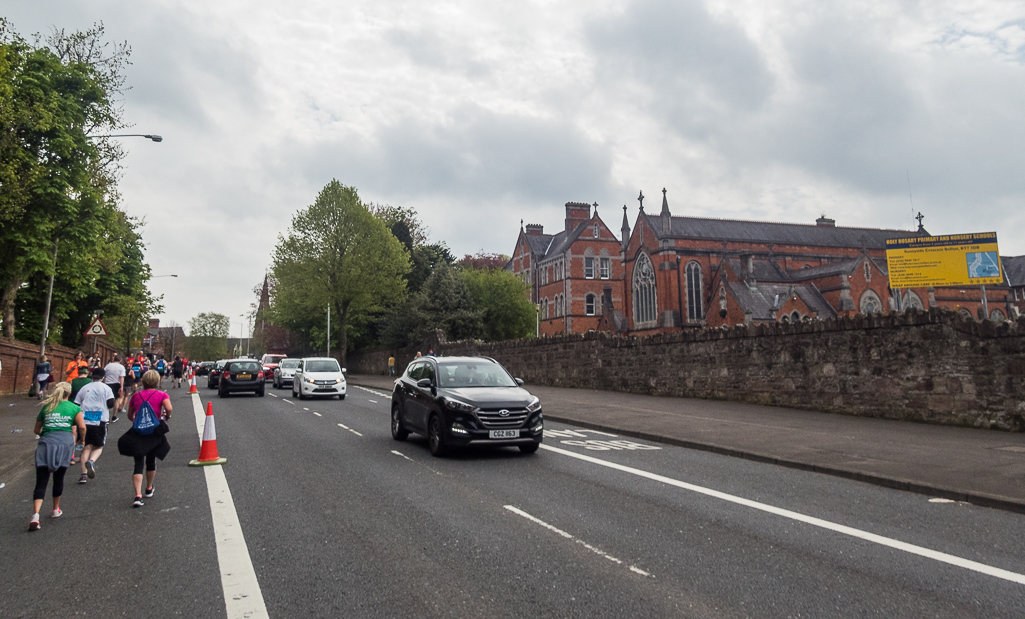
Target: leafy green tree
(57,187)
(501,297)
(446,303)
(208,336)
(336,253)
(127,319)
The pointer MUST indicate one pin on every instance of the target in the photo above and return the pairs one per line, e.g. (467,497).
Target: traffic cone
(192,387)
(208,449)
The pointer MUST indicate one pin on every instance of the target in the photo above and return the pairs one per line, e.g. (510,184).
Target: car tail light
(259,374)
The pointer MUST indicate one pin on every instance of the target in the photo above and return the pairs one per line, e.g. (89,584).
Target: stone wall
(933,366)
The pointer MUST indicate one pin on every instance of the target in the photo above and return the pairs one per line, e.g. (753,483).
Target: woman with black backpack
(148,410)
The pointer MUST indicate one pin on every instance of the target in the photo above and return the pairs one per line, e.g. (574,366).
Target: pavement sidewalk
(984,467)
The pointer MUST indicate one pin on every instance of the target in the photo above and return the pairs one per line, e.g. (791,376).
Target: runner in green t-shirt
(77,384)
(59,424)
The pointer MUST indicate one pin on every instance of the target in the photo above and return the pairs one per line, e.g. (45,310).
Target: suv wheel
(301,396)
(435,439)
(398,431)
(529,448)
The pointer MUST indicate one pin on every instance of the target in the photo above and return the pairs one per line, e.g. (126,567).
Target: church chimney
(576,213)
(535,229)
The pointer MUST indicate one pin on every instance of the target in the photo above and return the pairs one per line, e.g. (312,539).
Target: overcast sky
(480,114)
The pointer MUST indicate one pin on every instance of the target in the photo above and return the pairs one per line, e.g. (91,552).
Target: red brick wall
(19,362)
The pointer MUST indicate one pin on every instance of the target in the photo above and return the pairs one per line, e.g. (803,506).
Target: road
(340,520)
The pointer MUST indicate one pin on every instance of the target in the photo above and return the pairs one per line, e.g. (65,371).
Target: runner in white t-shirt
(114,377)
(95,399)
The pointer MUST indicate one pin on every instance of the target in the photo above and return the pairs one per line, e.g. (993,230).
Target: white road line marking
(373,391)
(825,524)
(349,429)
(596,551)
(397,453)
(273,395)
(242,596)
(374,401)
(288,401)
(305,409)
(317,414)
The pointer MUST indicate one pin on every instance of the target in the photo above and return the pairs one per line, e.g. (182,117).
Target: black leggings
(151,463)
(43,478)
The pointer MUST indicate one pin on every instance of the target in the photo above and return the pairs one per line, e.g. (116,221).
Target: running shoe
(149,492)
(114,418)
(91,468)
(57,513)
(138,502)
(72,459)
(33,525)
(83,479)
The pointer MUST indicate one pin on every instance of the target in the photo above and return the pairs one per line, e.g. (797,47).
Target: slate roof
(840,267)
(765,299)
(778,233)
(761,270)
(1014,269)
(545,245)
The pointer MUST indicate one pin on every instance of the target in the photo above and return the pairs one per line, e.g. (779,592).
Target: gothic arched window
(870,303)
(589,305)
(644,293)
(694,309)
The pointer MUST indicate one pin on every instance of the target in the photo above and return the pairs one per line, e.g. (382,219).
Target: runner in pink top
(146,448)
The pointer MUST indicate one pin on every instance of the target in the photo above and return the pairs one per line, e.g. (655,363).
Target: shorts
(96,436)
(177,374)
(116,389)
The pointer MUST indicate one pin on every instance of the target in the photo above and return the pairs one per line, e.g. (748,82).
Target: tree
(337,254)
(501,297)
(57,187)
(482,260)
(208,336)
(127,318)
(446,303)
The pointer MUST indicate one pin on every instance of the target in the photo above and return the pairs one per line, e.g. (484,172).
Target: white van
(318,376)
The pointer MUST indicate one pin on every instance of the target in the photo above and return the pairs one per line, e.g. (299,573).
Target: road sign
(96,328)
(953,260)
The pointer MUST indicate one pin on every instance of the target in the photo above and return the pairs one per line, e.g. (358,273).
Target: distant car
(241,375)
(213,376)
(318,376)
(285,372)
(458,401)
(271,361)
(204,368)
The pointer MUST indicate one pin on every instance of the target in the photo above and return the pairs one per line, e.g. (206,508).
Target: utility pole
(49,299)
(328,329)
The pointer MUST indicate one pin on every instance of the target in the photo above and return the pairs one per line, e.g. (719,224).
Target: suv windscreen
(245,367)
(273,359)
(318,365)
(471,374)
(289,364)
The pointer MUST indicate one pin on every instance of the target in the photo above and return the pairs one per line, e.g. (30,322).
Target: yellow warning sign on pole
(953,260)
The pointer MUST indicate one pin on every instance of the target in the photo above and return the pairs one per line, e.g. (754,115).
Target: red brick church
(670,272)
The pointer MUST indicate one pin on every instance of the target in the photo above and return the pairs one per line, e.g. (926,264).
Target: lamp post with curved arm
(148,136)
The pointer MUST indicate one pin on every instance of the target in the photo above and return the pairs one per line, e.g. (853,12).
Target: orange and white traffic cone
(208,448)
(192,386)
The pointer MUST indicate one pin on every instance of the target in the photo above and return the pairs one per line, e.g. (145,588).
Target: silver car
(285,372)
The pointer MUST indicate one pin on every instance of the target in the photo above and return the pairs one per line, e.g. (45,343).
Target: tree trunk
(7,297)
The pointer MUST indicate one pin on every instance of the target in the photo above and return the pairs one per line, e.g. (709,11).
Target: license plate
(504,434)
(244,376)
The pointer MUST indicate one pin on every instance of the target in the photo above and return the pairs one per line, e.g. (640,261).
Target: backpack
(146,419)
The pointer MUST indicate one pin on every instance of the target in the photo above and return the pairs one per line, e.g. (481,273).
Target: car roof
(459,359)
(318,359)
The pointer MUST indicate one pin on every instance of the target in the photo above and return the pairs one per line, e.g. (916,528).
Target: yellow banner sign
(953,260)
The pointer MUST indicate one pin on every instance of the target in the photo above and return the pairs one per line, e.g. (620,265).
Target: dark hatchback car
(214,375)
(458,401)
(241,375)
(205,367)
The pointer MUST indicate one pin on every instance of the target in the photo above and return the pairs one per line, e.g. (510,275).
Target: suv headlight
(534,406)
(462,407)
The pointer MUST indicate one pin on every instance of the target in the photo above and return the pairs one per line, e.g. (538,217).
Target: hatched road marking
(786,513)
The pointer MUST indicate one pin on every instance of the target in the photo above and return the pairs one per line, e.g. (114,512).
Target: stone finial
(640,198)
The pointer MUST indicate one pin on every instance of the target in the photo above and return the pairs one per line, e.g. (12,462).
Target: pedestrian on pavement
(137,443)
(95,399)
(114,377)
(391,365)
(43,369)
(55,425)
(71,372)
(177,369)
(430,352)
(418,355)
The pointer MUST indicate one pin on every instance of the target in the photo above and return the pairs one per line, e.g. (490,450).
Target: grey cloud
(427,49)
(694,64)
(475,154)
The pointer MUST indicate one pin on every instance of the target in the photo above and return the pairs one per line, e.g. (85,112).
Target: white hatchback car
(318,376)
(284,373)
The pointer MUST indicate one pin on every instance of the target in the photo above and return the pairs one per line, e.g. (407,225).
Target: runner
(146,448)
(177,368)
(71,372)
(161,368)
(114,377)
(95,399)
(43,369)
(55,426)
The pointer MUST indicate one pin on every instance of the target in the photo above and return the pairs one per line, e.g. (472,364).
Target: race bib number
(93,417)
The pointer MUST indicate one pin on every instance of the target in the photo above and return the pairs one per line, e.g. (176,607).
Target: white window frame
(605,267)
(590,304)
(588,267)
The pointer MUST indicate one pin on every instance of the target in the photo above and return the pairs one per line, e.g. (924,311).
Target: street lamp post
(148,136)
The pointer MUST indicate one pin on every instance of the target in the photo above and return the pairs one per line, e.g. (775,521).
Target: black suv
(241,375)
(457,401)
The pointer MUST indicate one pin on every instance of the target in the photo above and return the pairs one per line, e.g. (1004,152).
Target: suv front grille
(492,419)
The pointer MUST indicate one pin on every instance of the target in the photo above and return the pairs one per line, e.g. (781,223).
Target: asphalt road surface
(339,520)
